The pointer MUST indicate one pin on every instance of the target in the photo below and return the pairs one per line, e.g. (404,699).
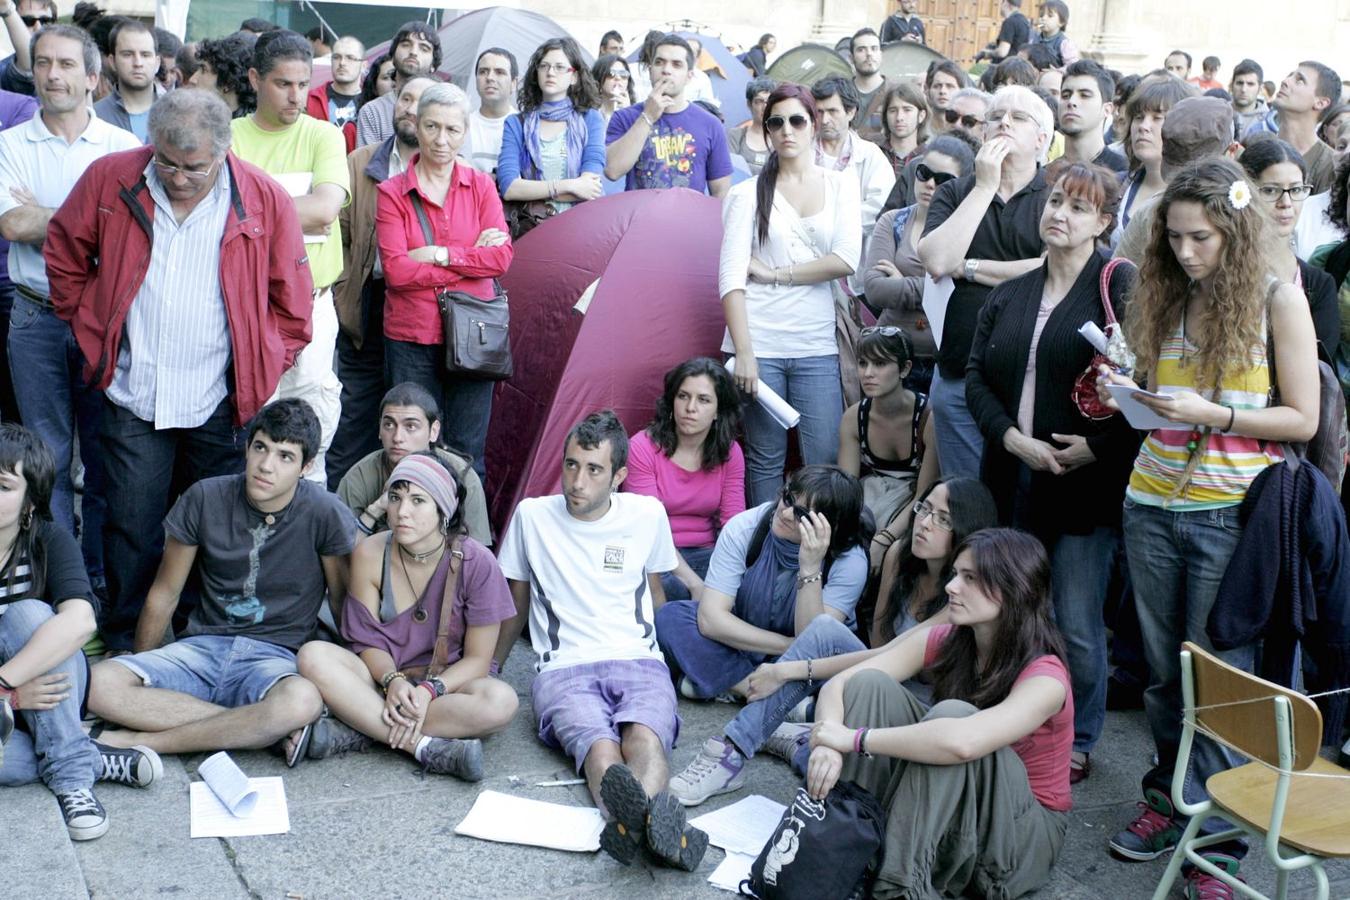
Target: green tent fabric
(808,64)
(906,59)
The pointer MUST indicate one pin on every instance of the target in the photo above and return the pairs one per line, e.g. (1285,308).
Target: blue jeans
(147,469)
(810,385)
(825,636)
(697,558)
(466,403)
(54,748)
(1080,572)
(1177,560)
(960,444)
(47,369)
(361,370)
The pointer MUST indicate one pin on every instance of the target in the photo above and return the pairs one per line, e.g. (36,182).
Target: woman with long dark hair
(756,59)
(379,79)
(786,235)
(614,79)
(553,150)
(687,457)
(977,787)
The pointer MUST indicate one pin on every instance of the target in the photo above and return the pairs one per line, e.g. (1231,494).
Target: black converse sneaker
(134,767)
(84,815)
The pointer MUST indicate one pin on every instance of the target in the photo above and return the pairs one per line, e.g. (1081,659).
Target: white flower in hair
(1239,194)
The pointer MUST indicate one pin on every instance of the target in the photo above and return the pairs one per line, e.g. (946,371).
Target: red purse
(1084,391)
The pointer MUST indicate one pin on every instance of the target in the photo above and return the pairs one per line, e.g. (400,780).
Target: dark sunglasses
(801,512)
(30,21)
(923,173)
(952,117)
(796,120)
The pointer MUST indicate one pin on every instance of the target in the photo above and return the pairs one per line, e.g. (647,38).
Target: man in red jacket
(183,274)
(337,101)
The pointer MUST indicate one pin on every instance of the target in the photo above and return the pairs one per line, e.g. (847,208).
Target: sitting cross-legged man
(410,422)
(584,568)
(422,620)
(266,545)
(783,583)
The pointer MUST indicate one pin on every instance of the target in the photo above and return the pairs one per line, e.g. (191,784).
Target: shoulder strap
(1107,306)
(422,218)
(757,538)
(441,652)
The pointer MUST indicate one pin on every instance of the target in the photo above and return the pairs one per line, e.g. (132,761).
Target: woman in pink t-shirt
(977,788)
(688,458)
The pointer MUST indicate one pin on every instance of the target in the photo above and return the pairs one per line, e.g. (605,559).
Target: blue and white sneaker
(719,768)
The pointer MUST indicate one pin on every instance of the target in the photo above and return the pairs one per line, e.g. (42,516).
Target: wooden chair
(1271,799)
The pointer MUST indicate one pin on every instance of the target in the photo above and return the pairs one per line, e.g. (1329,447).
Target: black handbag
(821,848)
(476,332)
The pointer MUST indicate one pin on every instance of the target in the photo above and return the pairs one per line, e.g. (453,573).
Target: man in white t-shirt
(495,75)
(585,567)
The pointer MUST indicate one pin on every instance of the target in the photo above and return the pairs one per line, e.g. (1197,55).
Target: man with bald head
(359,293)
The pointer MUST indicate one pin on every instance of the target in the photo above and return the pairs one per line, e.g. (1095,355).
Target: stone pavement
(370,825)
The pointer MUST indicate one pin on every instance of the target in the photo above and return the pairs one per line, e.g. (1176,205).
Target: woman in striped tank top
(1198,322)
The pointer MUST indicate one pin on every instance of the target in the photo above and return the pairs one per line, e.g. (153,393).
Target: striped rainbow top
(1230,462)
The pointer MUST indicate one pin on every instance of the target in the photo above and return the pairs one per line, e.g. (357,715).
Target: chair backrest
(1250,727)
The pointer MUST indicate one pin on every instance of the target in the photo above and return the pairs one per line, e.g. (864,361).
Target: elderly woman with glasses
(787,235)
(750,141)
(1053,471)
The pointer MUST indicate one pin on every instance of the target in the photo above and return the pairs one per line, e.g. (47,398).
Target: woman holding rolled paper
(786,235)
(1053,470)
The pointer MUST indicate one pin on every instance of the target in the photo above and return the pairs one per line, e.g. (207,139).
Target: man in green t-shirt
(309,158)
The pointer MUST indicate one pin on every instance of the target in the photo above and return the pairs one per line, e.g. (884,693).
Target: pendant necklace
(420,613)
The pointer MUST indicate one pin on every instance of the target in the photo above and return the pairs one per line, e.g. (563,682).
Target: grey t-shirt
(259,580)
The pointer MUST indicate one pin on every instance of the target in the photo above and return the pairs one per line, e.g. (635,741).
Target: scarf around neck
(555,111)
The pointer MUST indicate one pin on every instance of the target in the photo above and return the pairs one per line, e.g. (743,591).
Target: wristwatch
(442,256)
(972,266)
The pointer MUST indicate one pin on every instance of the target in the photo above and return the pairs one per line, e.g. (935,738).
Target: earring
(445,525)
(26,521)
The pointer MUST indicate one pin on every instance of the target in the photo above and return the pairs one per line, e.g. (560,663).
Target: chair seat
(1316,818)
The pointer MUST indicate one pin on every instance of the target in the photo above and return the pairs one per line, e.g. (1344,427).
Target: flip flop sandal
(670,838)
(300,747)
(626,800)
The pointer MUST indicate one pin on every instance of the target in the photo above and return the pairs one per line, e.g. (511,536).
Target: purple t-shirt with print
(685,149)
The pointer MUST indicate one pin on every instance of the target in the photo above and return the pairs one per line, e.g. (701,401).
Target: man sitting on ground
(266,546)
(585,567)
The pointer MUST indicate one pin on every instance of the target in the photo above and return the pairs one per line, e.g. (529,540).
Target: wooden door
(958,29)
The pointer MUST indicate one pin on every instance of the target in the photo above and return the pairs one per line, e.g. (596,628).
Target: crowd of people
(237,468)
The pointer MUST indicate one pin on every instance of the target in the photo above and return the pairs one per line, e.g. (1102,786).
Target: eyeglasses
(952,117)
(30,21)
(1271,193)
(923,173)
(1018,117)
(553,68)
(619,73)
(883,330)
(941,518)
(789,502)
(777,123)
(167,171)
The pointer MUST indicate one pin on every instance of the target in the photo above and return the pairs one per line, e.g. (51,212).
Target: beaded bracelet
(810,679)
(388,679)
(804,580)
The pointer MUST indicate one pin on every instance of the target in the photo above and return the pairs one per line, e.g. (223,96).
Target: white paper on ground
(297,184)
(1137,414)
(210,818)
(731,871)
(773,404)
(518,820)
(229,783)
(936,296)
(743,827)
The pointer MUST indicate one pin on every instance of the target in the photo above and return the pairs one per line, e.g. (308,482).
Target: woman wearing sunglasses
(1054,472)
(892,270)
(1280,179)
(786,235)
(615,79)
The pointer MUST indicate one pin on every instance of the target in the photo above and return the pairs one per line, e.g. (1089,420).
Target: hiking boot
(719,768)
(787,740)
(84,815)
(330,736)
(626,801)
(135,767)
(460,757)
(1154,832)
(669,836)
(1204,886)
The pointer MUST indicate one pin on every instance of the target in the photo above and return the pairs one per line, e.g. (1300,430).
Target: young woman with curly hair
(1200,321)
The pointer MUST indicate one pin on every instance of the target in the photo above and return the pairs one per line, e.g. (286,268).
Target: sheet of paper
(774,405)
(583,303)
(731,871)
(210,818)
(297,184)
(1137,414)
(743,827)
(936,296)
(229,783)
(518,820)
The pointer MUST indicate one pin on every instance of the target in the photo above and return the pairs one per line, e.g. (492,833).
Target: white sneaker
(718,769)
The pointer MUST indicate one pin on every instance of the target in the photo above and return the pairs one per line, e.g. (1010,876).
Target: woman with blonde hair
(1201,321)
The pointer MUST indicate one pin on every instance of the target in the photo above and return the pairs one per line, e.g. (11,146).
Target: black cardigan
(1320,290)
(1087,497)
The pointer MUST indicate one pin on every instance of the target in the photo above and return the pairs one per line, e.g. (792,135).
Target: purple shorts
(579,705)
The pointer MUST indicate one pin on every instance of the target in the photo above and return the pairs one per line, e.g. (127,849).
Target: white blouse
(794,321)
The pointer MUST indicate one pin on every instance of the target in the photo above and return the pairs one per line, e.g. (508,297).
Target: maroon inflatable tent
(651,258)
